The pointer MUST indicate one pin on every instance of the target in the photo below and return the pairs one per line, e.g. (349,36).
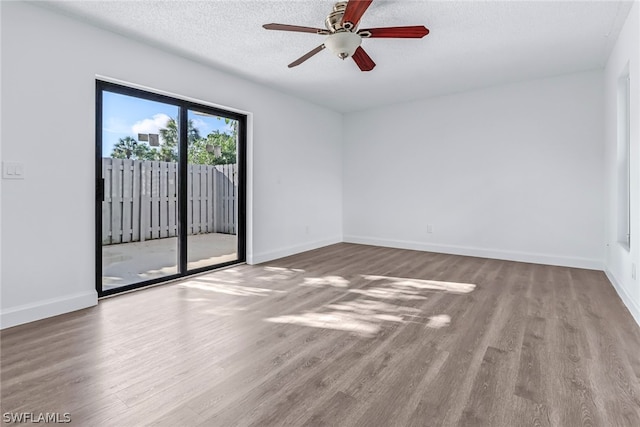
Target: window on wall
(624,158)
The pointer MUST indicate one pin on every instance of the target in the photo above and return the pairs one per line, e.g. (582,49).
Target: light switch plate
(12,170)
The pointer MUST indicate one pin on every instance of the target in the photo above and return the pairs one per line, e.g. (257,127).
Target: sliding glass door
(212,190)
(169,188)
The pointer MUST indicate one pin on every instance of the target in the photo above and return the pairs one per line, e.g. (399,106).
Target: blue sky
(124,116)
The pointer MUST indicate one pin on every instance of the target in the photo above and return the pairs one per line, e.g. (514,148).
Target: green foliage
(129,148)
(200,150)
(169,135)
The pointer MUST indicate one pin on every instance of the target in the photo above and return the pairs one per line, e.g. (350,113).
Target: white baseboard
(48,308)
(632,306)
(291,250)
(590,264)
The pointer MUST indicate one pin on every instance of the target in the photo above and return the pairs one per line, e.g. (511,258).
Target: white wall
(618,259)
(512,172)
(49,66)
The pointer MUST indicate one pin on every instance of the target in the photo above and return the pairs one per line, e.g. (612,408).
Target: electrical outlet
(633,270)
(429,228)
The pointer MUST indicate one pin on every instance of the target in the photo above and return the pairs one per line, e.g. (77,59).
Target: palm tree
(169,135)
(125,148)
(129,148)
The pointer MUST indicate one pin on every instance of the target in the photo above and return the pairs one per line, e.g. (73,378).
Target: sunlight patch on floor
(224,311)
(370,307)
(332,281)
(284,269)
(332,320)
(219,278)
(207,300)
(390,293)
(361,316)
(435,285)
(439,321)
(379,301)
(229,289)
(276,274)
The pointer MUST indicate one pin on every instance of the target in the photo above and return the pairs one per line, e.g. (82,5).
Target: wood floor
(346,335)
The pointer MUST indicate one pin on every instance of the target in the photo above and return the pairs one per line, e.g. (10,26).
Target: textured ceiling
(472,44)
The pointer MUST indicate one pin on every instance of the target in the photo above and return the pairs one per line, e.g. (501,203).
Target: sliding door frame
(184,107)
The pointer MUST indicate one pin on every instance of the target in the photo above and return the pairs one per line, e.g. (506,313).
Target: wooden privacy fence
(141,203)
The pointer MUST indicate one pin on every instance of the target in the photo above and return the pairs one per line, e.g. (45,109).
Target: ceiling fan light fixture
(343,44)
(344,38)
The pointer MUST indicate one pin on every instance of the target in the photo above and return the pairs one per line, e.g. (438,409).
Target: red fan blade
(296,28)
(415,32)
(306,56)
(363,60)
(353,12)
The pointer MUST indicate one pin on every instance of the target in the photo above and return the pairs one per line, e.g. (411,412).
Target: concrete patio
(128,263)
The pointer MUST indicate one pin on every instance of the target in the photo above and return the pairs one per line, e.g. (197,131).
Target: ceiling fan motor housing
(342,41)
(334,20)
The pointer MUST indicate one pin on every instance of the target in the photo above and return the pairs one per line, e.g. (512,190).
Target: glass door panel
(140,190)
(212,190)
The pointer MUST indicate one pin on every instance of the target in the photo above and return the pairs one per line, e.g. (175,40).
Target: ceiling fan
(343,36)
